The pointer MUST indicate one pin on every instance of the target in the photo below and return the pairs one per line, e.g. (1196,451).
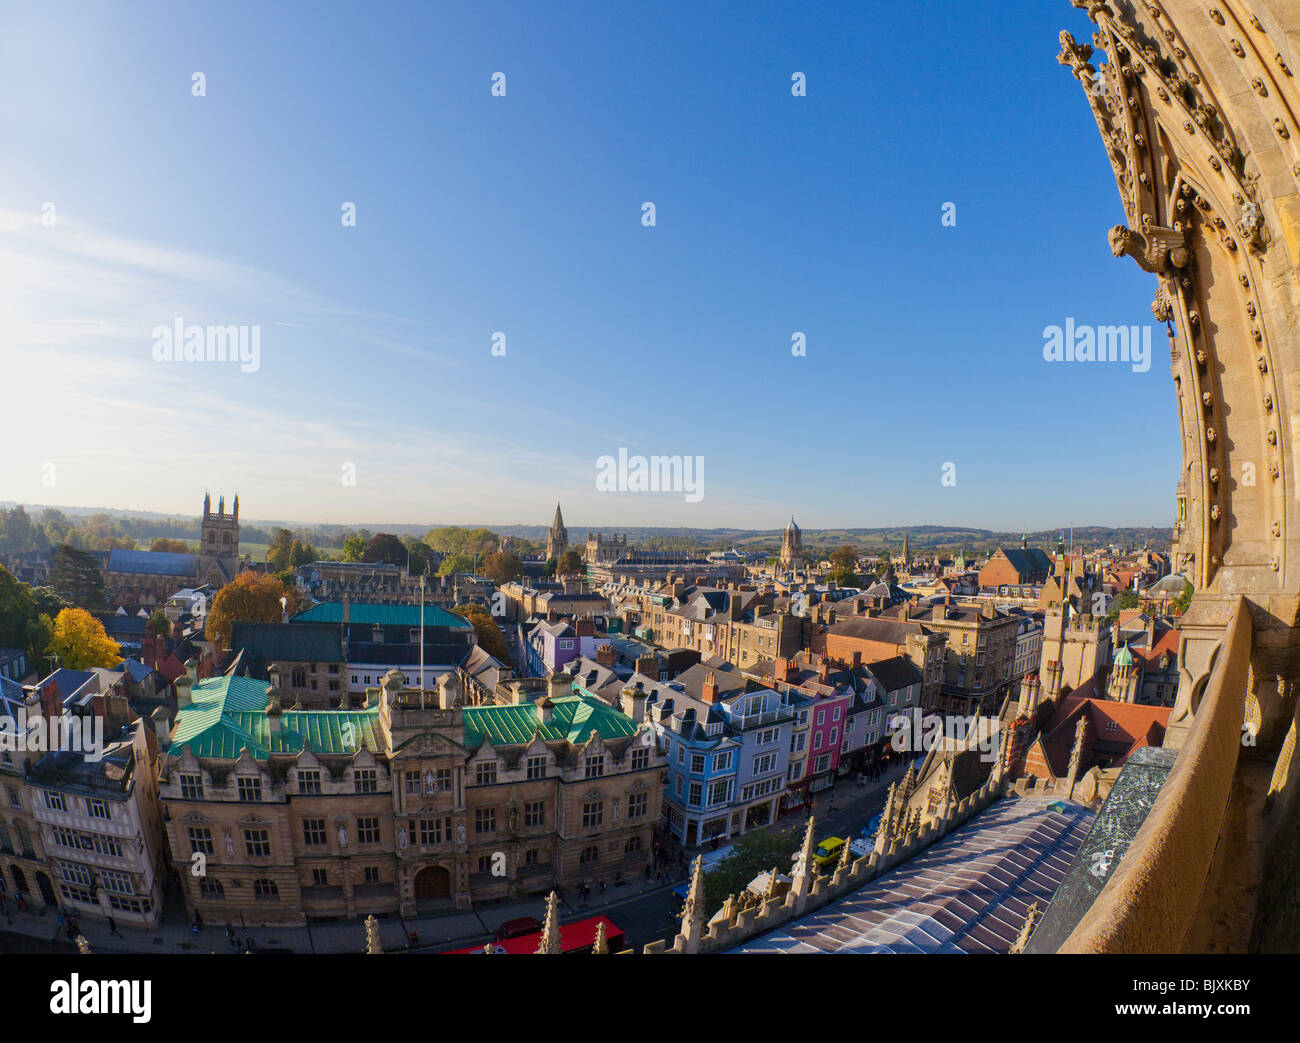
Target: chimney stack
(559,685)
(183,686)
(633,703)
(709,692)
(273,709)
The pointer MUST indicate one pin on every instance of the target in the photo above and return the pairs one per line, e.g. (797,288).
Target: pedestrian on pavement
(602,885)
(585,892)
(112,927)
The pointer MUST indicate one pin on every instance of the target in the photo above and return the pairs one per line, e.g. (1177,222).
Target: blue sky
(522,214)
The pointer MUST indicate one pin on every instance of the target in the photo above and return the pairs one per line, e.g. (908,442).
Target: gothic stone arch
(1198,106)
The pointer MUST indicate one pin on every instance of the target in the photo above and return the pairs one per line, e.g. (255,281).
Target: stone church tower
(557,540)
(792,546)
(218,543)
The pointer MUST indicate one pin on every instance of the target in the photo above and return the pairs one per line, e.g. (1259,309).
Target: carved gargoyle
(1151,247)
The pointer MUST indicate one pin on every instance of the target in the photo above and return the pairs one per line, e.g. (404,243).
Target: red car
(518,928)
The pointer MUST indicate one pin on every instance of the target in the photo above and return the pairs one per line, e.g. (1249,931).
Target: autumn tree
(844,562)
(163,543)
(489,635)
(502,567)
(80,642)
(249,597)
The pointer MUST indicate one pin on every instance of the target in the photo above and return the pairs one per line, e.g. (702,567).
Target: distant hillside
(945,540)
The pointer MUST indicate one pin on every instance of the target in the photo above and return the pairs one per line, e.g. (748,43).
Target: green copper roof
(1123,657)
(573,719)
(383,615)
(229,713)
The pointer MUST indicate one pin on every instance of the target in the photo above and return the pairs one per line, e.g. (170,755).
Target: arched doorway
(46,889)
(432,884)
(20,881)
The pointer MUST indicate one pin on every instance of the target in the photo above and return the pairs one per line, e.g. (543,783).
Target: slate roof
(877,628)
(74,686)
(287,642)
(228,714)
(1026,561)
(968,893)
(893,674)
(153,563)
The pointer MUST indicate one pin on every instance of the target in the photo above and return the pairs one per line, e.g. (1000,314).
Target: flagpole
(422,641)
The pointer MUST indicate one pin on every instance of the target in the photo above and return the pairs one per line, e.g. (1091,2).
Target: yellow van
(828,852)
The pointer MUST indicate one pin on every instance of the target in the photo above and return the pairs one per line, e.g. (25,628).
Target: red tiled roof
(1121,728)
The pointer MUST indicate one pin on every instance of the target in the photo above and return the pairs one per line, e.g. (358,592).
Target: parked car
(518,928)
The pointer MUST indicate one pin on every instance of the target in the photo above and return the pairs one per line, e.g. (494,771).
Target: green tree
(56,526)
(16,610)
(549,568)
(419,553)
(385,548)
(454,563)
(76,578)
(1119,602)
(18,533)
(570,563)
(454,539)
(162,626)
(752,854)
(1181,603)
(277,554)
(354,548)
